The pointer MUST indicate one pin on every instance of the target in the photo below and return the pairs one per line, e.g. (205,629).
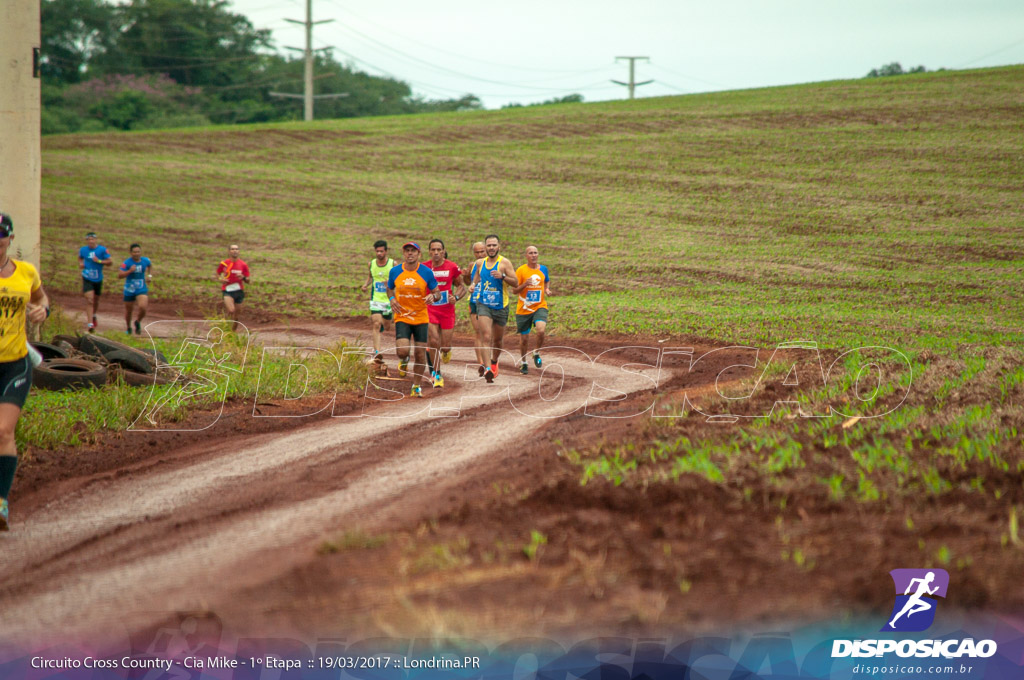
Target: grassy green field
(880,211)
(885,211)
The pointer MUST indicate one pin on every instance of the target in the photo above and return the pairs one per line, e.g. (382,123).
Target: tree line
(169,63)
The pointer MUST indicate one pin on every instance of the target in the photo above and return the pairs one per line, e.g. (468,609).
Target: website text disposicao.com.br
(902,670)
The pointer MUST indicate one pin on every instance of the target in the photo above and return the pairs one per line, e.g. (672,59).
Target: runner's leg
(377,322)
(540,327)
(434,348)
(143,306)
(230,311)
(8,453)
(90,307)
(478,345)
(419,363)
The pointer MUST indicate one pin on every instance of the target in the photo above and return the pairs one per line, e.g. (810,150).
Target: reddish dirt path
(199,524)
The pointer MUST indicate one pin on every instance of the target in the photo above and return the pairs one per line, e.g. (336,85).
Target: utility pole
(308,23)
(632,84)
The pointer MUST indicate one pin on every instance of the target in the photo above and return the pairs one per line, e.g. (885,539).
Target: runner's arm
(398,309)
(461,292)
(39,306)
(512,275)
(369,279)
(123,273)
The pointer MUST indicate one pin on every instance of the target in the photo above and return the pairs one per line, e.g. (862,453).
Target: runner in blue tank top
(474,295)
(493,273)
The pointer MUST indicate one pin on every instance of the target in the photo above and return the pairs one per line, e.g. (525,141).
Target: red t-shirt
(447,274)
(236,269)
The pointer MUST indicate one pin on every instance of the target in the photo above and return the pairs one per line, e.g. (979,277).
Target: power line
(448,52)
(683,75)
(991,54)
(445,70)
(437,88)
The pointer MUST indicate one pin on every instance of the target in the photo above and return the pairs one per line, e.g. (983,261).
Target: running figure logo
(915,611)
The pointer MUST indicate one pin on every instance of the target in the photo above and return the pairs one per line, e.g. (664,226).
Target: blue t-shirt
(135,284)
(93,270)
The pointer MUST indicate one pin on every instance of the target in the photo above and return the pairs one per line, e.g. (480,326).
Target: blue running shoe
(3,515)
(536,360)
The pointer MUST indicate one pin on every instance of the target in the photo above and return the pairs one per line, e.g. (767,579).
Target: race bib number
(490,297)
(380,286)
(232,287)
(533,296)
(443,300)
(133,285)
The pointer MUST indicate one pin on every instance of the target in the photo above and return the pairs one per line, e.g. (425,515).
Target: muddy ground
(403,524)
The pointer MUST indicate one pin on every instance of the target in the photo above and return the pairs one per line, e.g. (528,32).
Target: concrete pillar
(20,154)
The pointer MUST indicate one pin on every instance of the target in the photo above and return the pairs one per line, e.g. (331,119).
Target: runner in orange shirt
(532,305)
(411,287)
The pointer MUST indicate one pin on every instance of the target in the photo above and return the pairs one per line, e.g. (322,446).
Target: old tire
(131,361)
(50,351)
(98,346)
(68,374)
(72,340)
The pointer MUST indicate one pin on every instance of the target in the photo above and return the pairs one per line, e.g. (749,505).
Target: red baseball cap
(413,244)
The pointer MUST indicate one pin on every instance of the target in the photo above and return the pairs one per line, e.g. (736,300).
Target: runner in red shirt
(233,274)
(442,312)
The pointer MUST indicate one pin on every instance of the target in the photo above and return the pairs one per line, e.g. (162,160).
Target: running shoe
(494,369)
(402,366)
(91,327)
(3,515)
(129,331)
(438,380)
(446,356)
(482,370)
(138,328)
(489,374)
(524,369)
(536,360)
(417,391)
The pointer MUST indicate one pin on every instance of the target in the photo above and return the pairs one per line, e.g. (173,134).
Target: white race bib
(232,287)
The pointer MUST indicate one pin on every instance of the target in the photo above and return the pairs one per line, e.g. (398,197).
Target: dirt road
(123,550)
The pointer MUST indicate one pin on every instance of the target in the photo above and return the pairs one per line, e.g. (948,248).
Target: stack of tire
(76,362)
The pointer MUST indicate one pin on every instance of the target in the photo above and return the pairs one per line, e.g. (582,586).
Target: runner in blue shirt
(137,272)
(91,258)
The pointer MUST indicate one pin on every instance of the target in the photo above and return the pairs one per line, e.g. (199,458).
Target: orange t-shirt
(411,287)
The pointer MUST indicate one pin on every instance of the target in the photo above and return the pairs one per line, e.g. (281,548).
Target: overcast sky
(533,50)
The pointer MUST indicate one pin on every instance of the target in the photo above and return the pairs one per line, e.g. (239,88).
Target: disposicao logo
(914,611)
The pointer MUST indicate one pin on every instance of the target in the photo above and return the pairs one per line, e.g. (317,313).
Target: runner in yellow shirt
(21,297)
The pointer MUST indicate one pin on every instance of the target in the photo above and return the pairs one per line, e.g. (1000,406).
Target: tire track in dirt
(133,549)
